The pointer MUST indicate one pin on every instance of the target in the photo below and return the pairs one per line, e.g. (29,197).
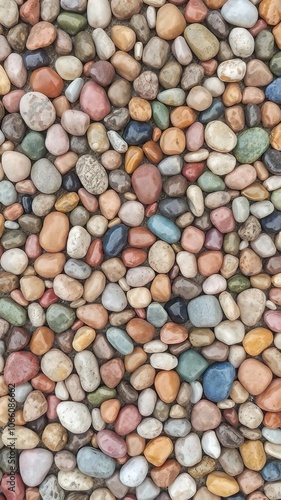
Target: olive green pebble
(238,283)
(71,23)
(275,64)
(102,394)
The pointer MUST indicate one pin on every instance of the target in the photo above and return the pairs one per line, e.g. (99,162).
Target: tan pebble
(109,203)
(123,37)
(54,436)
(94,286)
(32,287)
(142,377)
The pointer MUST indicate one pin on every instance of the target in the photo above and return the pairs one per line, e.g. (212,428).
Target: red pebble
(151,209)
(53,402)
(133,257)
(192,171)
(230,415)
(12,487)
(95,253)
(43,383)
(49,297)
(20,367)
(32,247)
(209,67)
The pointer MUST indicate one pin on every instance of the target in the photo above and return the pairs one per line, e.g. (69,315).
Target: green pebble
(120,340)
(102,394)
(238,283)
(264,45)
(71,22)
(251,145)
(59,317)
(12,312)
(210,182)
(191,365)
(275,64)
(160,115)
(33,146)
(276,198)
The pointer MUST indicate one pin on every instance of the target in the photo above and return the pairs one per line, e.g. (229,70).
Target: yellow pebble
(222,484)
(275,137)
(97,138)
(253,455)
(83,338)
(276,280)
(257,340)
(67,202)
(133,159)
(261,281)
(158,450)
(2,221)
(5,84)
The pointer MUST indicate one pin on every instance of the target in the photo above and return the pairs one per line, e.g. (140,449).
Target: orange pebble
(167,384)
(109,410)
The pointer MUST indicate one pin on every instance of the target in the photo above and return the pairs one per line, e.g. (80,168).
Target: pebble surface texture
(140,249)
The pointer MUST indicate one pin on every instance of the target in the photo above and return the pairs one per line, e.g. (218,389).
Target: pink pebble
(273,320)
(195,136)
(53,402)
(111,444)
(11,101)
(258,27)
(32,247)
(222,218)
(128,419)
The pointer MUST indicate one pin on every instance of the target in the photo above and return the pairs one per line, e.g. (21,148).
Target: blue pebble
(217,381)
(136,133)
(273,91)
(272,222)
(120,340)
(272,471)
(164,228)
(94,463)
(115,239)
(33,59)
(213,112)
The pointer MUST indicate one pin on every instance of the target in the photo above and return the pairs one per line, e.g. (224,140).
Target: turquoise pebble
(209,182)
(33,145)
(156,315)
(120,340)
(251,145)
(164,228)
(191,365)
(94,463)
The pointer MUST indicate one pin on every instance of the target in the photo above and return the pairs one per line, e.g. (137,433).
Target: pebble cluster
(140,281)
